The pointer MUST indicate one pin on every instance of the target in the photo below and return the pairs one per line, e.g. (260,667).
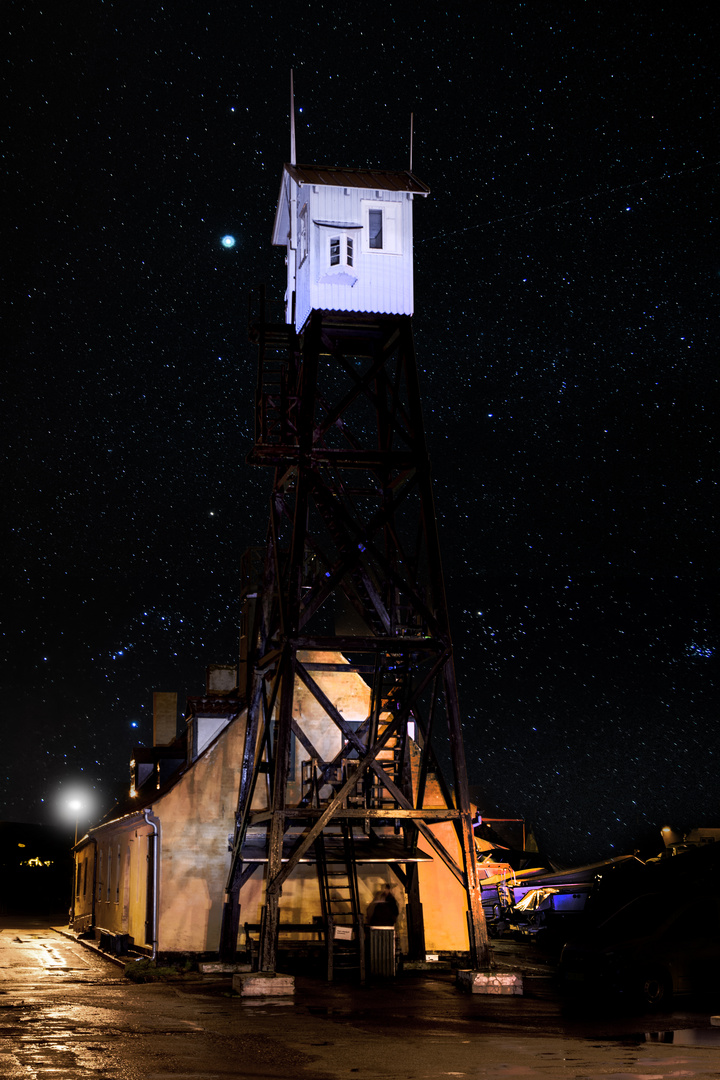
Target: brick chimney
(164,717)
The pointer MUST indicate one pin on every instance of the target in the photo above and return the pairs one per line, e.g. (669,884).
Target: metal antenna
(293,155)
(411,138)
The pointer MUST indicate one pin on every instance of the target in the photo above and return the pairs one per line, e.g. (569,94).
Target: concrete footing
(490,982)
(263,984)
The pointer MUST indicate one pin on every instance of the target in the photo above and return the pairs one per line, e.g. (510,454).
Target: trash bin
(382,951)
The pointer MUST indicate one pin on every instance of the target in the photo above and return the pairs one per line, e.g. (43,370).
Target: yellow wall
(84,877)
(118,864)
(442,896)
(300,900)
(196,818)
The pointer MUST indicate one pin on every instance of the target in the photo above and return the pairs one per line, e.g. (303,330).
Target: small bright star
(228,241)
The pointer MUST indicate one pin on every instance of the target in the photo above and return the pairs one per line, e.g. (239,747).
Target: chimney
(221,679)
(164,717)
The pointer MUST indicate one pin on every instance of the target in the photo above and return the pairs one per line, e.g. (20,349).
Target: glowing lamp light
(75,804)
(228,241)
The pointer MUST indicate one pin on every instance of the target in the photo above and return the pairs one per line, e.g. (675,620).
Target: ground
(67,1013)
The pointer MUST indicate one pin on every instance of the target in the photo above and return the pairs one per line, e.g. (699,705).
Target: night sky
(567,276)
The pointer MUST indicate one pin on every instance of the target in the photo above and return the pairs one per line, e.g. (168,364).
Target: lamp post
(76,806)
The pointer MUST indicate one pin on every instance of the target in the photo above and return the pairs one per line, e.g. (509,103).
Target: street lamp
(76,806)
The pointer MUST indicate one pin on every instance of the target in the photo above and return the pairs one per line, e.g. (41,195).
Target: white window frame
(347,249)
(303,237)
(391,227)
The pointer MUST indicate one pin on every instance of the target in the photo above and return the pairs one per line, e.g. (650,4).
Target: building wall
(197,816)
(442,896)
(112,879)
(84,887)
(378,281)
(300,901)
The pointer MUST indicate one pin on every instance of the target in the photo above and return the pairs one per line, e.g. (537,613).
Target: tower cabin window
(375,228)
(303,236)
(382,227)
(341,250)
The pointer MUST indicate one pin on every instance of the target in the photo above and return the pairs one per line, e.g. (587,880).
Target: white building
(349,236)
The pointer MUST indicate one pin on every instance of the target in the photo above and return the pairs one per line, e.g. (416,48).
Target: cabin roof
(340,176)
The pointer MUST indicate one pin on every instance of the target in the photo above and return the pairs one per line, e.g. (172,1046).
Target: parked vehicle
(662,938)
(556,897)
(546,910)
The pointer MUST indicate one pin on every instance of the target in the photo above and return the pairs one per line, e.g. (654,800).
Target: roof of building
(339,176)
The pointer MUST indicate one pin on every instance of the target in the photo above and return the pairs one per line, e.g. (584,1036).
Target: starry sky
(567,273)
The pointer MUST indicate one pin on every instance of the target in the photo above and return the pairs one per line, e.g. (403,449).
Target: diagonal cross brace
(390,786)
(276,884)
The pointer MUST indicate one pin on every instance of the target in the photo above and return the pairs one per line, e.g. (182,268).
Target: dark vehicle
(658,943)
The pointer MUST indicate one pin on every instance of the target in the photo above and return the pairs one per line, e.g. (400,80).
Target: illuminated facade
(154,874)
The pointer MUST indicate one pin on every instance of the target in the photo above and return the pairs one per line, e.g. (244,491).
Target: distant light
(228,241)
(133,723)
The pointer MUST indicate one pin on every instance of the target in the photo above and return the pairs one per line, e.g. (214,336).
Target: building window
(99,873)
(303,236)
(375,229)
(341,250)
(381,227)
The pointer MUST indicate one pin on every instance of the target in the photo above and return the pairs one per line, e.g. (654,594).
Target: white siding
(383,281)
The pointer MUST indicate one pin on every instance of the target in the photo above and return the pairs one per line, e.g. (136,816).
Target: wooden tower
(350,579)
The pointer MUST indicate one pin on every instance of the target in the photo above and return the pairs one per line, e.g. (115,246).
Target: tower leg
(415,923)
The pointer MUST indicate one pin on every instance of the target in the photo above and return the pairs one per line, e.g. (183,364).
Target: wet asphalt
(67,1013)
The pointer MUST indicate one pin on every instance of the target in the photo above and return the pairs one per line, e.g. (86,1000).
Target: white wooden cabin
(348,235)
